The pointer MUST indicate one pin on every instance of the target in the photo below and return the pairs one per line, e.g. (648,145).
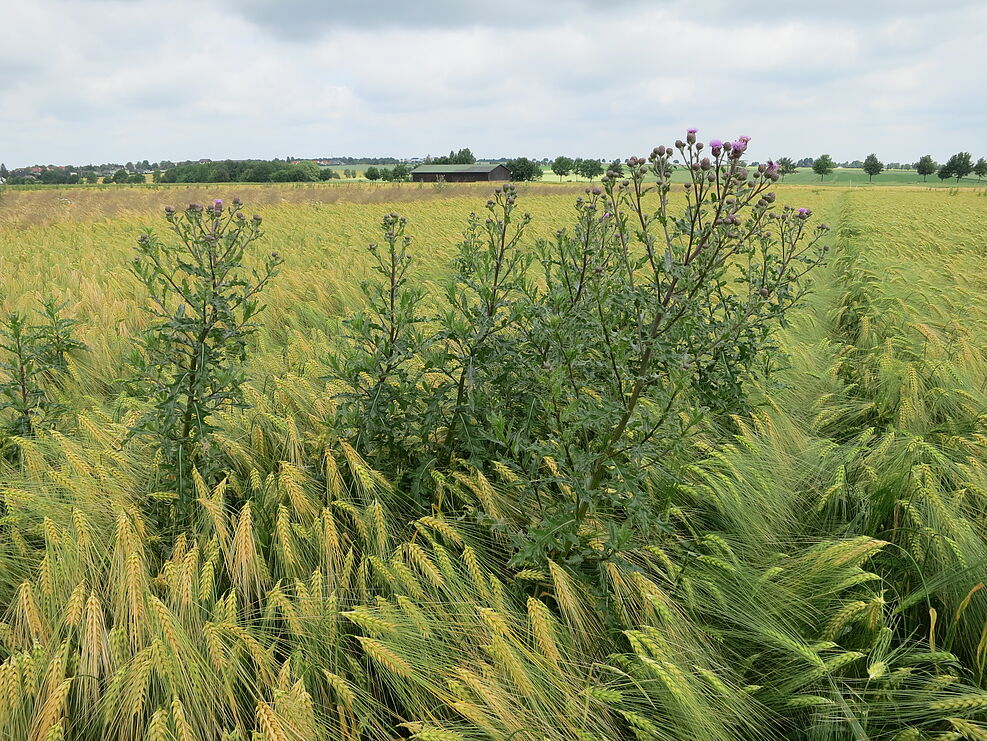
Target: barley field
(818,573)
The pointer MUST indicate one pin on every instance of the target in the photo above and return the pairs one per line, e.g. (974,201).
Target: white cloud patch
(115,80)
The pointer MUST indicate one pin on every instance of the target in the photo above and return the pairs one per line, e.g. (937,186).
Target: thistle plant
(203,304)
(36,357)
(645,321)
(384,341)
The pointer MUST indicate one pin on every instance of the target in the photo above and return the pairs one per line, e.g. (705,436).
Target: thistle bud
(764,292)
(169,210)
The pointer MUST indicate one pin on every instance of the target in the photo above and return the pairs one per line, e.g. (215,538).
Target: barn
(459,173)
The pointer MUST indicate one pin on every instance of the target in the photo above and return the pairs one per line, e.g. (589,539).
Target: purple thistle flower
(744,139)
(692,131)
(739,146)
(772,168)
(715,144)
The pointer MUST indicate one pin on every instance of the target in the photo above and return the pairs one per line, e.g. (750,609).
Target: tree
(523,168)
(589,169)
(562,166)
(872,166)
(3,171)
(309,170)
(958,166)
(926,166)
(786,167)
(980,169)
(120,176)
(372,173)
(823,165)
(135,179)
(92,178)
(462,157)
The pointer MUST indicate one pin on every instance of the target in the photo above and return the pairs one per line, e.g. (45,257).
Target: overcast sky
(116,80)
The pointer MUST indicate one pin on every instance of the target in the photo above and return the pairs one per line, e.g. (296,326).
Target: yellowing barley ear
(157,727)
(542,629)
(572,604)
(51,711)
(291,482)
(248,570)
(342,689)
(334,482)
(385,657)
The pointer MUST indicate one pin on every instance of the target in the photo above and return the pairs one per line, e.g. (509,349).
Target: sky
(124,80)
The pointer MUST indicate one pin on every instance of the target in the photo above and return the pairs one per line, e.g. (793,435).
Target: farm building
(459,173)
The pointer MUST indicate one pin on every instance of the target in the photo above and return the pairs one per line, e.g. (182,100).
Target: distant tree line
(958,166)
(399,173)
(586,168)
(248,171)
(462,157)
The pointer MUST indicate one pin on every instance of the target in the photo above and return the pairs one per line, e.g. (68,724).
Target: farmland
(814,567)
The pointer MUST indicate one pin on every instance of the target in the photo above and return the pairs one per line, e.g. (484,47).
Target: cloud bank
(115,80)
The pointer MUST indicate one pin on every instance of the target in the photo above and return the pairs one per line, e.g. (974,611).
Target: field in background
(74,243)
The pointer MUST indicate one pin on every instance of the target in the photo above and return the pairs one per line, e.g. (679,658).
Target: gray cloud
(129,79)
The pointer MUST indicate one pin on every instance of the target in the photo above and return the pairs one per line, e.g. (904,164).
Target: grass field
(819,575)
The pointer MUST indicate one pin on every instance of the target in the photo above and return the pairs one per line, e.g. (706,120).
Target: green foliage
(378,409)
(36,357)
(588,168)
(120,176)
(398,173)
(786,166)
(957,166)
(823,165)
(523,169)
(372,173)
(462,157)
(872,166)
(637,324)
(562,166)
(980,168)
(926,166)
(203,306)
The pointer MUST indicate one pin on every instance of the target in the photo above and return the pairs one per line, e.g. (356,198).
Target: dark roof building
(459,173)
